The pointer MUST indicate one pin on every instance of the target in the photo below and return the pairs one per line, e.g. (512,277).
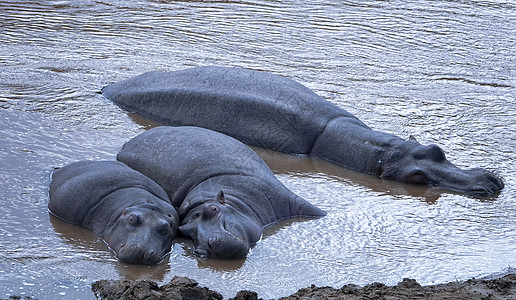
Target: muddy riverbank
(185,288)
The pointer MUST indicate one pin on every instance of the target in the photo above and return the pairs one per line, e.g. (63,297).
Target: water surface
(442,71)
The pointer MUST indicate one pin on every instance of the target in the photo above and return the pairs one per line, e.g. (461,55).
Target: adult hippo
(224,192)
(131,212)
(271,111)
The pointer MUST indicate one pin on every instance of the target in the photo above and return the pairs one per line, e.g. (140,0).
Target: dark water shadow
(77,236)
(143,122)
(305,166)
(139,272)
(275,227)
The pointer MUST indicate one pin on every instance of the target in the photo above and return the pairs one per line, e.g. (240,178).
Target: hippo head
(219,229)
(142,234)
(427,165)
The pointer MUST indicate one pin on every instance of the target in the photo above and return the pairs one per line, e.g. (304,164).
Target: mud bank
(185,288)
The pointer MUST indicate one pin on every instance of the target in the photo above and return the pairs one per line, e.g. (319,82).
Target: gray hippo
(270,111)
(224,192)
(130,211)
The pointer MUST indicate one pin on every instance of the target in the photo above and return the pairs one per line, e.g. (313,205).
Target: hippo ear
(220,197)
(412,138)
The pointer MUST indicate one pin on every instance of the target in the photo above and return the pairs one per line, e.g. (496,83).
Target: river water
(443,71)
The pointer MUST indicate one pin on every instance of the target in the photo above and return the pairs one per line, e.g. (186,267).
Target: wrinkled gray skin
(274,112)
(224,192)
(131,212)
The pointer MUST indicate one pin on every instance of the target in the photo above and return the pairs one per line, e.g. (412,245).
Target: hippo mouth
(225,246)
(134,254)
(480,192)
(476,192)
(491,187)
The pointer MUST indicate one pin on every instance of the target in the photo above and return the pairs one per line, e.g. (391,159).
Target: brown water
(442,71)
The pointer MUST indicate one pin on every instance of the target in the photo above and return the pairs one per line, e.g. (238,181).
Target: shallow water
(442,71)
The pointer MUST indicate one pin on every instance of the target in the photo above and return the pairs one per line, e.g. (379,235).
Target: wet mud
(185,288)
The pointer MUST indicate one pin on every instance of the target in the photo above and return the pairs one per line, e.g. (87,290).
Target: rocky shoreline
(185,288)
(182,288)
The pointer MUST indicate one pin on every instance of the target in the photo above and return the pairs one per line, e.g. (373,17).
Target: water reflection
(77,236)
(141,272)
(303,166)
(220,265)
(142,121)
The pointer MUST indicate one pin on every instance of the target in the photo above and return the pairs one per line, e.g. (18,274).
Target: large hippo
(224,192)
(130,211)
(275,112)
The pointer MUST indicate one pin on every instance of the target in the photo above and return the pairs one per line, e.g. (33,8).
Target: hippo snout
(136,254)
(225,246)
(485,184)
(228,247)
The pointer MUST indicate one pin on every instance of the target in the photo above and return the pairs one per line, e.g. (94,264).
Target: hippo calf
(275,112)
(131,212)
(224,192)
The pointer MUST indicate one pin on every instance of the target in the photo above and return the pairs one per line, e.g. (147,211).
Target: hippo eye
(134,220)
(163,229)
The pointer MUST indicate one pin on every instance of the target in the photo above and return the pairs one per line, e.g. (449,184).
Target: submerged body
(224,192)
(131,212)
(270,111)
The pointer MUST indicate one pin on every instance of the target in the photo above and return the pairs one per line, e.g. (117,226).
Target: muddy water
(442,71)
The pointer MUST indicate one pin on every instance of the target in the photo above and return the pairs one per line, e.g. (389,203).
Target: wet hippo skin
(131,212)
(224,192)
(275,112)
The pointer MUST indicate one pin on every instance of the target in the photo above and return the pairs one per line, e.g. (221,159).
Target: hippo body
(131,212)
(224,192)
(270,111)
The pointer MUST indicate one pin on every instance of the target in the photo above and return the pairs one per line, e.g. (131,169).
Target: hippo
(132,213)
(271,111)
(224,192)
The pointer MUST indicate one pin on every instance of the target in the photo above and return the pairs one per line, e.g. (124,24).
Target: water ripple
(442,71)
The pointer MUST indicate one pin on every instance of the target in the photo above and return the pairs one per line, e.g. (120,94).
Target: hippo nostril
(212,241)
(151,258)
(130,254)
(131,248)
(497,181)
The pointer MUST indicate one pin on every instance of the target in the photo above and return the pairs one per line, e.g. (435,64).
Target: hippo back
(193,164)
(180,158)
(257,108)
